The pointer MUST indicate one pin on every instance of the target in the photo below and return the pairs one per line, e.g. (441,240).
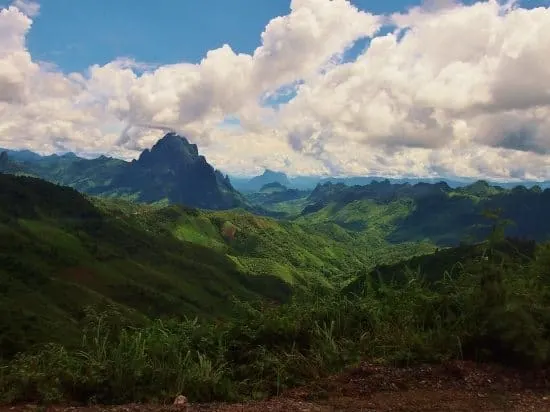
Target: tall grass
(495,309)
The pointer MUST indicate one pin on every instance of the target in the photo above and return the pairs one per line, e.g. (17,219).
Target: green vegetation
(432,213)
(492,306)
(60,251)
(107,300)
(171,172)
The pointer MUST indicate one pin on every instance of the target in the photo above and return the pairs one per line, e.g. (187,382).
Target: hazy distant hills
(173,171)
(254,184)
(269,176)
(21,155)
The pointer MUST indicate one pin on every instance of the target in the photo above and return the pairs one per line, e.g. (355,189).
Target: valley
(136,281)
(292,205)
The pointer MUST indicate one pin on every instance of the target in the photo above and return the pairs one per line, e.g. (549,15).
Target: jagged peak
(172,146)
(176,141)
(269,172)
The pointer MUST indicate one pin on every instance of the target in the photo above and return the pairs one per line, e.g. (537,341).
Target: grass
(228,305)
(494,309)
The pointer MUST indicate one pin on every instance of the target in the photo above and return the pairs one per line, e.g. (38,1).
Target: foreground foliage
(493,305)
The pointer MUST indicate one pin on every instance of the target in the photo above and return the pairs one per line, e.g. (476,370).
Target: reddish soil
(78,274)
(455,386)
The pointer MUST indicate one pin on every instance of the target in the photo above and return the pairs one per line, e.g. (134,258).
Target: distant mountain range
(172,171)
(254,184)
(61,250)
(436,213)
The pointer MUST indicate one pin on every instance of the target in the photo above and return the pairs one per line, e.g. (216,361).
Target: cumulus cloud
(447,77)
(30,8)
(453,90)
(293,47)
(16,68)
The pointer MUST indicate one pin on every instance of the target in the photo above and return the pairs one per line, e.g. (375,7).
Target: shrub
(493,309)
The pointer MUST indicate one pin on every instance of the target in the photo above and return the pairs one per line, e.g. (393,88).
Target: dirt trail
(455,386)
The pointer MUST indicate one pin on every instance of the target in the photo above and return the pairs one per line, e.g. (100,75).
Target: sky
(433,88)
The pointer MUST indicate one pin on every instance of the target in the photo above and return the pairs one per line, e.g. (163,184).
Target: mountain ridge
(438,213)
(296,182)
(172,171)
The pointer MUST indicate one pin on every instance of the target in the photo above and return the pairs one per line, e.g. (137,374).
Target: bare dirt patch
(454,386)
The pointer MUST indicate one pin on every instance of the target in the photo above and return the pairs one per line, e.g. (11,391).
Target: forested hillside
(435,213)
(100,296)
(61,251)
(492,305)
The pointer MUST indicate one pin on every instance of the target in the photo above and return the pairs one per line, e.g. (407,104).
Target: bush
(494,309)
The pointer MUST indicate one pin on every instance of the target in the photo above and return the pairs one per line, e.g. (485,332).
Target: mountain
(22,155)
(256,183)
(269,176)
(4,161)
(435,213)
(383,191)
(274,187)
(7,165)
(310,182)
(244,184)
(172,171)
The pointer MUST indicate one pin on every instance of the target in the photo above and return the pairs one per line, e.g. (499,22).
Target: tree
(499,225)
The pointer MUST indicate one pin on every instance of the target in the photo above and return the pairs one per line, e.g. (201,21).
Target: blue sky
(77,34)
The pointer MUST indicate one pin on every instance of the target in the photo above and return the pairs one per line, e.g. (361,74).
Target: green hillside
(432,213)
(96,293)
(60,252)
(492,306)
(434,267)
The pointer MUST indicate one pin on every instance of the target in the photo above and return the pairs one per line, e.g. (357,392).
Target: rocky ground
(455,386)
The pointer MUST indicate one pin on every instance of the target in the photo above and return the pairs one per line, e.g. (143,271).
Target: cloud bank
(443,89)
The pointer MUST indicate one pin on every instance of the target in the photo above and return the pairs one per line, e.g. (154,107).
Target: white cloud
(16,68)
(28,7)
(454,90)
(473,76)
